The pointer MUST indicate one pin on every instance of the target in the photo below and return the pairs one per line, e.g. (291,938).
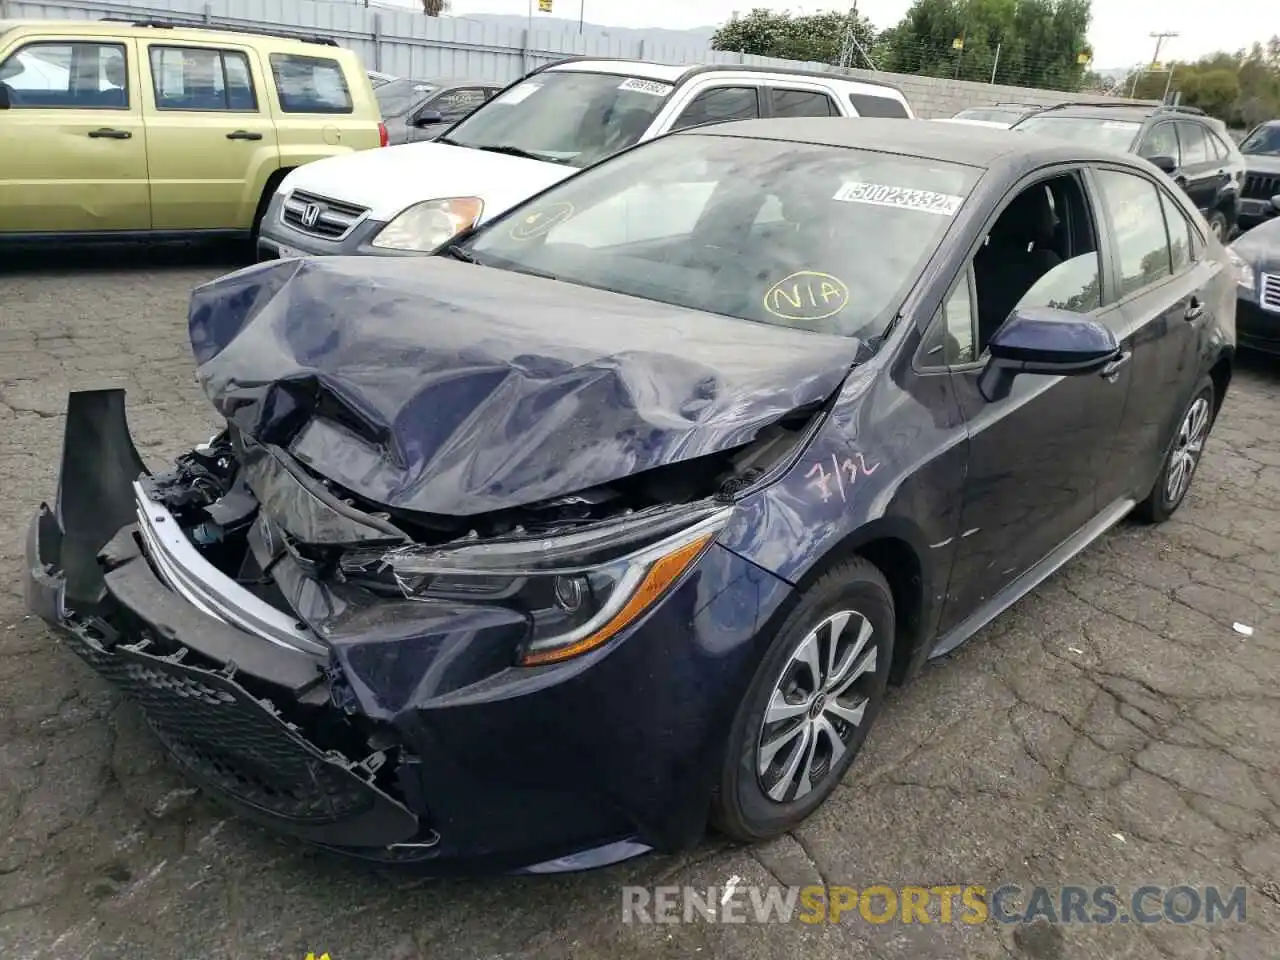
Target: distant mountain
(698,35)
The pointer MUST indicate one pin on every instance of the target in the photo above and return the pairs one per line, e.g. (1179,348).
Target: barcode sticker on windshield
(518,93)
(882,195)
(652,87)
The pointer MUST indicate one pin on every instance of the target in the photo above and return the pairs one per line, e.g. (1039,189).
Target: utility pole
(1160,38)
(851,44)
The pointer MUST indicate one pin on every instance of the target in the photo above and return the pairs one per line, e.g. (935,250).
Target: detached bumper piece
(228,706)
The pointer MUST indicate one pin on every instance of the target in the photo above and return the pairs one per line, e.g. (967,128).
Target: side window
(1161,141)
(310,84)
(191,78)
(953,338)
(801,103)
(1216,147)
(1195,149)
(455,104)
(719,104)
(1074,285)
(1137,220)
(867,105)
(1181,233)
(81,76)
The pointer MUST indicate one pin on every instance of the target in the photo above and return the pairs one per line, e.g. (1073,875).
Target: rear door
(72,145)
(1159,313)
(1200,173)
(211,139)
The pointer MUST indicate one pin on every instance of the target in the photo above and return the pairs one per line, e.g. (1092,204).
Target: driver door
(1035,456)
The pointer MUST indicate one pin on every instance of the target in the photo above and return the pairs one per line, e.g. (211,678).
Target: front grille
(1261,186)
(228,738)
(321,217)
(1269,291)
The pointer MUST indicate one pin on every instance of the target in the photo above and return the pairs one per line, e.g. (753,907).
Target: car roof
(632,68)
(966,144)
(670,73)
(174,30)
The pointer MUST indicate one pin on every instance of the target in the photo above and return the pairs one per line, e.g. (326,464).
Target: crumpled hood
(441,387)
(389,180)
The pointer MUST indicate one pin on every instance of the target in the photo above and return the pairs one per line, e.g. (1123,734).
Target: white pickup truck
(412,199)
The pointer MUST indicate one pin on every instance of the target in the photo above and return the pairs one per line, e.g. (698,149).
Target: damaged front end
(396,685)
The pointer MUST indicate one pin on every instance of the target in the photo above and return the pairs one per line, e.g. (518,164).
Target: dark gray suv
(1261,150)
(1186,143)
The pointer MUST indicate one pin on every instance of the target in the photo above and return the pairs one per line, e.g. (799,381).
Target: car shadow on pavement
(230,255)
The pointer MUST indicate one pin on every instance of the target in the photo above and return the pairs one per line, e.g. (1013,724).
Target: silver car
(416,110)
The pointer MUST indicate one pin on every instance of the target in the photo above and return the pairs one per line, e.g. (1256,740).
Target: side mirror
(1045,341)
(1275,203)
(1164,162)
(428,118)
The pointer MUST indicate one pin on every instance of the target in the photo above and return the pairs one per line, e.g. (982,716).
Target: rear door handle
(1112,370)
(244,135)
(1195,309)
(107,133)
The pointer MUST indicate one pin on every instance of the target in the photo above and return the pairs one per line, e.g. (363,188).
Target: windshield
(1264,140)
(398,97)
(991,113)
(798,235)
(1094,131)
(568,117)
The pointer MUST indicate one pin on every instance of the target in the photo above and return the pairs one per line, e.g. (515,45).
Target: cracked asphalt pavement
(1113,728)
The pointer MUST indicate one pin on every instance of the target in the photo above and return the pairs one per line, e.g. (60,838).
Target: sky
(1120,34)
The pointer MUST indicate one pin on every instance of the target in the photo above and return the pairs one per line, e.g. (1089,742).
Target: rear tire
(1218,225)
(810,706)
(1179,467)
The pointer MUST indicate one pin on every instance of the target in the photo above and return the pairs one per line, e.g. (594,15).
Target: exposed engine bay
(216,493)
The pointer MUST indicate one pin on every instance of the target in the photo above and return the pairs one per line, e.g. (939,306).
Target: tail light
(383,139)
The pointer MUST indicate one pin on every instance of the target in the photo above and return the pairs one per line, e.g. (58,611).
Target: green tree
(1030,43)
(818,37)
(1241,88)
(433,8)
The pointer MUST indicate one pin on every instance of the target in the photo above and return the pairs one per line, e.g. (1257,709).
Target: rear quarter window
(868,105)
(310,84)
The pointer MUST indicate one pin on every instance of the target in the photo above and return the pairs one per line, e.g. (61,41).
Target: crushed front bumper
(219,698)
(462,762)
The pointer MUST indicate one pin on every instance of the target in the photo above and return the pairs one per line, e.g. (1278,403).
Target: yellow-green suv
(116,130)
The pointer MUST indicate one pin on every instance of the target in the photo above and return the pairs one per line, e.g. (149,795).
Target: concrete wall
(397,40)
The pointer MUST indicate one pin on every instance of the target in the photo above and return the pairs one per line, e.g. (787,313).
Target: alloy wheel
(1186,450)
(816,706)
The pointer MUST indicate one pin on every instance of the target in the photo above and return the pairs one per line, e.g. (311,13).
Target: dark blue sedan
(617,517)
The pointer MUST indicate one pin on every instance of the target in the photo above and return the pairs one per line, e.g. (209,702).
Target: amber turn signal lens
(662,573)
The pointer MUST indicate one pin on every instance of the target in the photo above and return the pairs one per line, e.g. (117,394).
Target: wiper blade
(511,151)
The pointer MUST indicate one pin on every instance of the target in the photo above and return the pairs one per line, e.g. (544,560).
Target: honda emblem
(310,214)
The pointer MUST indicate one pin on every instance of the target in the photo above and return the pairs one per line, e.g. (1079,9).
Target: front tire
(810,706)
(1179,467)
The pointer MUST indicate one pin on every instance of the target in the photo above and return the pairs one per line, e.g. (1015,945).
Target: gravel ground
(1111,729)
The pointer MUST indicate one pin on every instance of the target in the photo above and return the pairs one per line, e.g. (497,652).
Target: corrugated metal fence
(394,40)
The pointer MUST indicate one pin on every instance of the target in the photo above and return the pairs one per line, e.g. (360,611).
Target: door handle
(1111,372)
(244,135)
(1195,309)
(107,133)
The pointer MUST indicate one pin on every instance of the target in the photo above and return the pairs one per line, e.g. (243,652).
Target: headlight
(1244,272)
(577,590)
(425,226)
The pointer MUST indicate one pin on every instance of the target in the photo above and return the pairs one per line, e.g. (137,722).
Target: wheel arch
(894,547)
(1220,374)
